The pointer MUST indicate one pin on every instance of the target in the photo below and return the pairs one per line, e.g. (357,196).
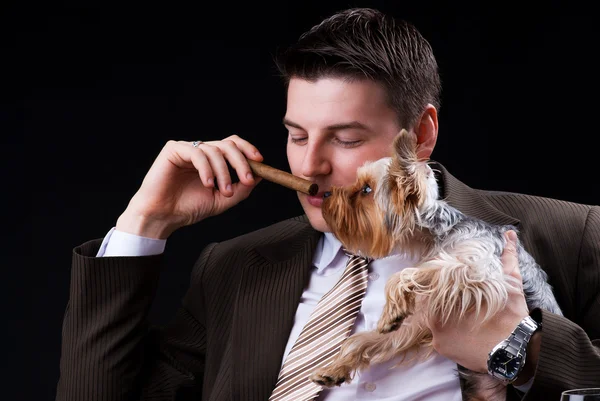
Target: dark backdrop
(93,90)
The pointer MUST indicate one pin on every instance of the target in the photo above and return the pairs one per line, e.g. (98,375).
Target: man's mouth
(317,199)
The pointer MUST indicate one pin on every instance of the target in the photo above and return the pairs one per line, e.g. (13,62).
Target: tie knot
(353,255)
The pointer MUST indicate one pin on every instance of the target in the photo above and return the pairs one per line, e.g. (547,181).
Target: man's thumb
(509,255)
(511,237)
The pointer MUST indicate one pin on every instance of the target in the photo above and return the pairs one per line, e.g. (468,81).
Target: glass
(581,394)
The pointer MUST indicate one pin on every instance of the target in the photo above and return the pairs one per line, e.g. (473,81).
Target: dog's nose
(327,194)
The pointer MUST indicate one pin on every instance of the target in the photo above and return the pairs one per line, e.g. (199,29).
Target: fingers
(249,150)
(211,159)
(239,193)
(200,161)
(218,166)
(238,161)
(509,258)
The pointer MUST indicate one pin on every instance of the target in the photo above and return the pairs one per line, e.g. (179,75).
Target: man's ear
(426,131)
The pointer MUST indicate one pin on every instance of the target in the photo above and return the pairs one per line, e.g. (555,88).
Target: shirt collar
(328,248)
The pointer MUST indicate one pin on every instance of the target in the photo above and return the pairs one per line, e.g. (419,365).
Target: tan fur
(443,286)
(362,349)
(347,223)
(408,178)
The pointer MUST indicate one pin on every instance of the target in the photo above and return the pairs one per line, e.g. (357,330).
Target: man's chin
(316,219)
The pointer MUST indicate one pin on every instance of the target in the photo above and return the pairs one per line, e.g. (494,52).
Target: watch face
(506,364)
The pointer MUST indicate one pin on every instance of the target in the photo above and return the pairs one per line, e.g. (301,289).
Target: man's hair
(363,43)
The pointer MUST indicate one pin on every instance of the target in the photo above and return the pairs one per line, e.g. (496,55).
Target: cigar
(283,178)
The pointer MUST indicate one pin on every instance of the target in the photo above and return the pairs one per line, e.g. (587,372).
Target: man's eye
(298,140)
(348,144)
(366,189)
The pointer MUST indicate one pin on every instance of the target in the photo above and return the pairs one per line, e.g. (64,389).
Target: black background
(91,91)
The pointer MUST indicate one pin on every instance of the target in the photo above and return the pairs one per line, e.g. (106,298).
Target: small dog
(393,207)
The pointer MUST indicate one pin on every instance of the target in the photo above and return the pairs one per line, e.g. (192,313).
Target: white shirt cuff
(119,243)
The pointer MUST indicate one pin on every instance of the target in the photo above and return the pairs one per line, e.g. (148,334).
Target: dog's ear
(405,151)
(408,178)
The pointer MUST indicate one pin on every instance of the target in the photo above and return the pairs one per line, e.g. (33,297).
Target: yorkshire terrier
(394,207)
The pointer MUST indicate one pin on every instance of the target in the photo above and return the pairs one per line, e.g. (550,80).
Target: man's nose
(315,163)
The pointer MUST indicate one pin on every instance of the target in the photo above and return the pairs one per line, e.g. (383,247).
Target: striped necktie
(320,340)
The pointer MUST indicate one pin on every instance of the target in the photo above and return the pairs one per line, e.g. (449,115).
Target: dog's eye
(366,189)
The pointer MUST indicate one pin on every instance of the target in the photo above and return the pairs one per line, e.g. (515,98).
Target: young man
(353,82)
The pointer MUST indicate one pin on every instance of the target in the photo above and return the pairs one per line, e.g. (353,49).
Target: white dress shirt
(434,379)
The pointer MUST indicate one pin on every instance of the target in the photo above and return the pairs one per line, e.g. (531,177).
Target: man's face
(334,127)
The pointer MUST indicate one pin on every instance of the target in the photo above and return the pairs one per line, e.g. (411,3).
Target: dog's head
(380,211)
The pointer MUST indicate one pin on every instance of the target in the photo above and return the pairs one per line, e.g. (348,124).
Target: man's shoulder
(528,200)
(512,203)
(534,207)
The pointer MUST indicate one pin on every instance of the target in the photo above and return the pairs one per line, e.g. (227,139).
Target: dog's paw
(330,379)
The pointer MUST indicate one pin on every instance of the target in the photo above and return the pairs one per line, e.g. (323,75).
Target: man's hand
(468,343)
(187,184)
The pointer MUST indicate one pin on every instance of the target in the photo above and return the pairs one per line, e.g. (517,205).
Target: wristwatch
(506,360)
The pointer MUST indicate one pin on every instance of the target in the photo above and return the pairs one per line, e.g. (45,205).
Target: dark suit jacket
(227,340)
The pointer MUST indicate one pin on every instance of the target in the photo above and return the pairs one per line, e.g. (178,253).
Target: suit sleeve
(109,349)
(570,352)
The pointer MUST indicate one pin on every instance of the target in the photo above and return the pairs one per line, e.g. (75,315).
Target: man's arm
(109,350)
(566,356)
(569,353)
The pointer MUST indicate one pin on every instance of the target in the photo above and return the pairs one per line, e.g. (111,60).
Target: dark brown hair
(363,43)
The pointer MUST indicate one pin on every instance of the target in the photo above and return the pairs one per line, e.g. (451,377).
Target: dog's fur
(459,267)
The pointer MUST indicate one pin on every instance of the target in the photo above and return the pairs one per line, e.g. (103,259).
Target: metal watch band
(519,338)
(515,344)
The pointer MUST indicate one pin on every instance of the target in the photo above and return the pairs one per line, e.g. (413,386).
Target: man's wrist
(531,361)
(143,226)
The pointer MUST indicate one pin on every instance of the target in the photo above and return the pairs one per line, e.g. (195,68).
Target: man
(353,82)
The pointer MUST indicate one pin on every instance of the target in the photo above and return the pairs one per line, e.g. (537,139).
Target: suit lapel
(270,288)
(470,201)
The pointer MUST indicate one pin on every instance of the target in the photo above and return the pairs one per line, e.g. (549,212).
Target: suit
(227,340)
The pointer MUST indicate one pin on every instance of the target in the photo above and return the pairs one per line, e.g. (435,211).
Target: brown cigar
(283,178)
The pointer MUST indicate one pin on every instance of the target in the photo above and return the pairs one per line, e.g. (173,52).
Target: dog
(394,207)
